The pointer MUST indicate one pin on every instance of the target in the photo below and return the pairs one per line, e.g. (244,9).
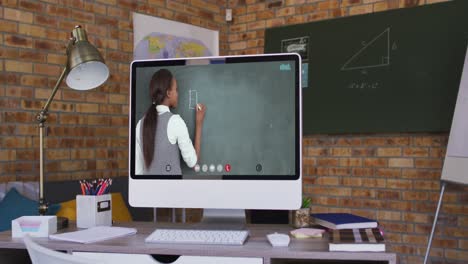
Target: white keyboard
(190,236)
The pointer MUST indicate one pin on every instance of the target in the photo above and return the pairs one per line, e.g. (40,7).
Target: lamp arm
(41,118)
(42,115)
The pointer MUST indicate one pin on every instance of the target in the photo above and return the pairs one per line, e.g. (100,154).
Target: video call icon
(205,168)
(212,168)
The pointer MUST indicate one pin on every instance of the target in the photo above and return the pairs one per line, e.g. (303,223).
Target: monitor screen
(251,129)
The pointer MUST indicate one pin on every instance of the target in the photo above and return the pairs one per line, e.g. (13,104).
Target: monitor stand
(223,219)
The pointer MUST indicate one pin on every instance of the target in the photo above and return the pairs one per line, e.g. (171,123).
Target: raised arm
(199,118)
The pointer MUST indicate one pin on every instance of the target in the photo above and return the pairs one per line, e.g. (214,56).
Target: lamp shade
(87,69)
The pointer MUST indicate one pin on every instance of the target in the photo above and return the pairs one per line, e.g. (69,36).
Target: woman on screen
(160,134)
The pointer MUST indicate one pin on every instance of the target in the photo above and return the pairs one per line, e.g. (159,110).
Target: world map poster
(158,38)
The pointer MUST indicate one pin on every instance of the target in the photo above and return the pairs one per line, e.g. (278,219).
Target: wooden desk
(256,246)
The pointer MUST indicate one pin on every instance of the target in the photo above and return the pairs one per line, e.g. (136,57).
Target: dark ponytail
(160,83)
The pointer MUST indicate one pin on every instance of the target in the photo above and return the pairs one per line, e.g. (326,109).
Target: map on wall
(157,38)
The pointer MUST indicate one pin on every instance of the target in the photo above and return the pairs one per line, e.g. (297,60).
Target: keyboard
(190,236)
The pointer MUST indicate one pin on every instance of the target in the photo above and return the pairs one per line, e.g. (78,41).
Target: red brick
(340,171)
(8,26)
(380,6)
(18,41)
(32,55)
(368,193)
(388,173)
(430,141)
(330,4)
(363,172)
(266,14)
(319,15)
(363,152)
(415,196)
(428,163)
(286,11)
(399,184)
(389,215)
(327,161)
(18,15)
(437,152)
(305,9)
(256,7)
(45,20)
(374,182)
(414,239)
(54,11)
(351,181)
(313,151)
(388,195)
(97,8)
(416,152)
(375,162)
(11,103)
(14,91)
(350,162)
(328,181)
(387,141)
(361,9)
(401,162)
(350,202)
(341,152)
(7,155)
(261,24)
(388,152)
(423,174)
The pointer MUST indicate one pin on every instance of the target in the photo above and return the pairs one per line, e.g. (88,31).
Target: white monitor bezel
(225,194)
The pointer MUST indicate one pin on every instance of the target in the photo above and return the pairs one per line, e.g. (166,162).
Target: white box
(93,210)
(35,226)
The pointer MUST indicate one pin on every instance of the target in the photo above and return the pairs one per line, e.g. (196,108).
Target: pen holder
(93,210)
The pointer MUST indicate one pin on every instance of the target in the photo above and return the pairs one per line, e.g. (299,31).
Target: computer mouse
(278,240)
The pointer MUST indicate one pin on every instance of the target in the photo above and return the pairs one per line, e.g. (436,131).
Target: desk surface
(257,245)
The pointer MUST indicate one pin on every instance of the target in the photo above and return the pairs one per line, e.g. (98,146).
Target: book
(343,221)
(369,239)
(94,234)
(307,232)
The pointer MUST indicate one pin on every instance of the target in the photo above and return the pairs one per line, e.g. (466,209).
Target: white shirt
(177,133)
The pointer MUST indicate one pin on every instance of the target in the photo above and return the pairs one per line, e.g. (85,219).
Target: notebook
(94,234)
(343,221)
(369,239)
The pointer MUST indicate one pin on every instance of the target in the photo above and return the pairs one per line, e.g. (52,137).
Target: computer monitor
(251,140)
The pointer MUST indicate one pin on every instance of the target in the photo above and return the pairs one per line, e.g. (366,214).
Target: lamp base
(62,222)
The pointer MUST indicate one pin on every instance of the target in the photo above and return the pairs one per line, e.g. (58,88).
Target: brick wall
(390,177)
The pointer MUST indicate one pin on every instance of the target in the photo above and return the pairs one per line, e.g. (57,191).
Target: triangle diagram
(375,53)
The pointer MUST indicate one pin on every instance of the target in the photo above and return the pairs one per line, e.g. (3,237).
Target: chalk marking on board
(385,59)
(193,99)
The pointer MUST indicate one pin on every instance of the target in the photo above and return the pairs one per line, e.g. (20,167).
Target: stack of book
(349,232)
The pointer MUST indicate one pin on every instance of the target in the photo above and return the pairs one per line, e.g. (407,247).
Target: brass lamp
(86,70)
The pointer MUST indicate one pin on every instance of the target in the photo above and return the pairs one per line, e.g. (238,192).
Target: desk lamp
(86,70)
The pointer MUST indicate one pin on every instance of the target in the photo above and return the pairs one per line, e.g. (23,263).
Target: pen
(95,187)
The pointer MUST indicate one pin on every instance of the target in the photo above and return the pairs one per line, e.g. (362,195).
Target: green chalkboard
(392,71)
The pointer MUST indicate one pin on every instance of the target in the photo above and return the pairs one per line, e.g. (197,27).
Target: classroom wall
(393,178)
